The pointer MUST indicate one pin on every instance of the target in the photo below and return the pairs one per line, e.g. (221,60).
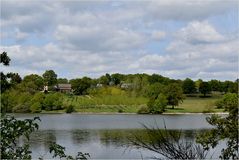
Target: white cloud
(188,10)
(98,38)
(199,32)
(78,38)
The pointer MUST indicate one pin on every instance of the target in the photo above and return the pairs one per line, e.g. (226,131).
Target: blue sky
(177,39)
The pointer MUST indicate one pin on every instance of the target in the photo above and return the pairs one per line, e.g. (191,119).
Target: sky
(176,39)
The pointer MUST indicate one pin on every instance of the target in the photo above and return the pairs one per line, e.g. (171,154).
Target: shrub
(38,97)
(120,110)
(36,107)
(53,102)
(229,100)
(21,108)
(70,109)
(158,105)
(219,104)
(143,110)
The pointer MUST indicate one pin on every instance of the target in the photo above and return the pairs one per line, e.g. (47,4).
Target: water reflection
(99,143)
(106,136)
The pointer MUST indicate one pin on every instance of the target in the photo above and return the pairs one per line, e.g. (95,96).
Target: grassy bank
(127,104)
(196,105)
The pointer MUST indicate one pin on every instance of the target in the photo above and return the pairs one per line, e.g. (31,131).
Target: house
(126,85)
(63,88)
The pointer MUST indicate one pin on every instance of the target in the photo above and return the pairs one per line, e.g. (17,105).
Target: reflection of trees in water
(117,138)
(81,136)
(42,139)
(122,137)
(172,144)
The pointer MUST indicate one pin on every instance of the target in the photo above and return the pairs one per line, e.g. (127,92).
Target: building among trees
(66,88)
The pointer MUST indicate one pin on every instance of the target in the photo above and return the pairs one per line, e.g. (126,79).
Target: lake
(106,136)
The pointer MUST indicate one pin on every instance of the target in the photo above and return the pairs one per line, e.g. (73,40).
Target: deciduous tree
(204,88)
(189,86)
(174,94)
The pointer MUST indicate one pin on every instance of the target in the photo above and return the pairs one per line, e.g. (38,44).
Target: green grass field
(196,105)
(127,104)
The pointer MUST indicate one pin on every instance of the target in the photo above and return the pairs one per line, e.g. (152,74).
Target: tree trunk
(172,106)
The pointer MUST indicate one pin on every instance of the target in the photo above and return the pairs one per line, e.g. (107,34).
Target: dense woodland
(25,94)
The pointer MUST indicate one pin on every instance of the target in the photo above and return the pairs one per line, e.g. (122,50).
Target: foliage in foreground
(226,128)
(12,130)
(168,144)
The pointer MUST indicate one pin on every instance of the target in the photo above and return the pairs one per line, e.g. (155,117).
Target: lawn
(127,104)
(196,105)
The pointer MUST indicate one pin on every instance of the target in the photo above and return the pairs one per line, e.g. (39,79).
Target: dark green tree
(4,83)
(105,79)
(174,94)
(62,80)
(80,86)
(205,88)
(5,60)
(155,78)
(14,78)
(189,86)
(117,78)
(50,77)
(215,85)
(225,128)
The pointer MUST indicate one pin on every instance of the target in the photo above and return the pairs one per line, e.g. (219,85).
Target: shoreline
(116,113)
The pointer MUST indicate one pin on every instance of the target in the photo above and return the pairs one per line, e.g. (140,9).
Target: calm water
(106,136)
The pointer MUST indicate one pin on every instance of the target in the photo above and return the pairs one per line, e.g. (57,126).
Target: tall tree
(32,83)
(174,94)
(215,85)
(14,78)
(189,86)
(80,86)
(117,78)
(62,80)
(50,77)
(204,88)
(5,60)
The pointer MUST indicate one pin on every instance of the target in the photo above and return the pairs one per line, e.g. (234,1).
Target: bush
(120,110)
(219,104)
(158,105)
(38,97)
(21,108)
(36,107)
(143,110)
(70,109)
(53,102)
(229,100)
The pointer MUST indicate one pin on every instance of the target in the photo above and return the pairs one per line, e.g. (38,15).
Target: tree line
(24,94)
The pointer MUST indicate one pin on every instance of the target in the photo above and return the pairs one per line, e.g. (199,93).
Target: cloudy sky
(178,39)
